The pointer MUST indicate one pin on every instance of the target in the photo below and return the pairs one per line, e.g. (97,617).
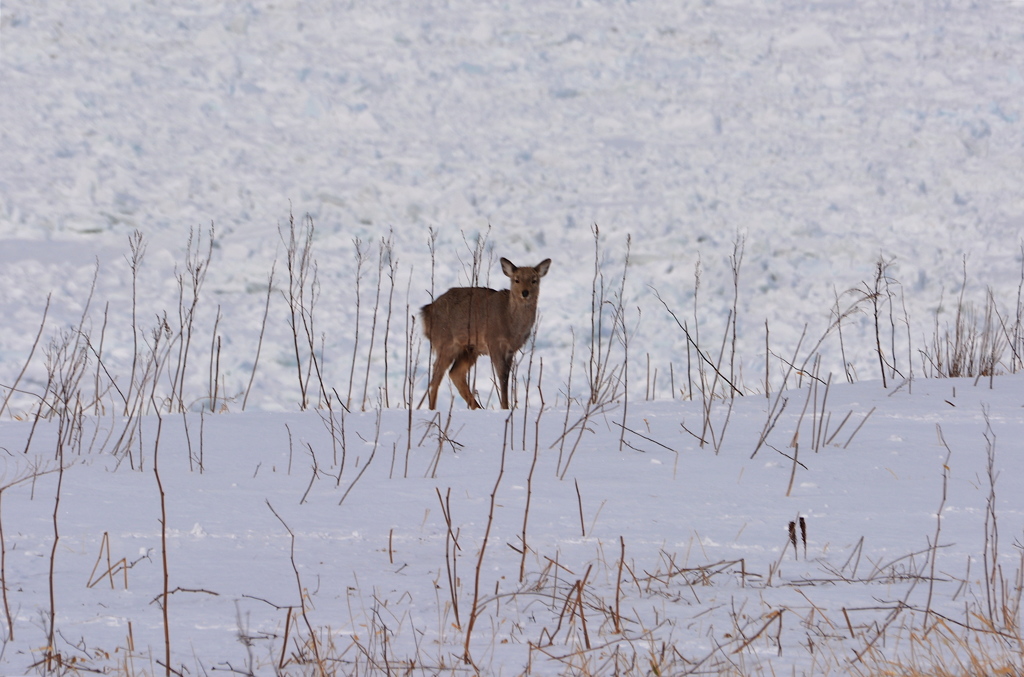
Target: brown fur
(466,322)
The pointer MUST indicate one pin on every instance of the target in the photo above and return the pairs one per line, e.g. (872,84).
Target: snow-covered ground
(793,142)
(646,552)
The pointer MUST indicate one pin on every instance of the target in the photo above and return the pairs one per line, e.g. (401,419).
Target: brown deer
(466,322)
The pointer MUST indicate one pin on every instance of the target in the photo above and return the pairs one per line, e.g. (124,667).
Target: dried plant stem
(529,484)
(52,659)
(514,394)
(284,640)
(97,404)
(389,247)
(602,379)
(214,371)
(65,366)
(618,584)
(735,261)
(568,398)
(3,551)
(624,338)
(933,555)
(314,644)
(373,323)
(776,410)
(32,477)
(990,555)
(137,245)
(874,296)
(11,389)
(411,364)
(263,328)
(451,551)
(770,619)
(579,504)
(154,366)
(859,426)
(302,295)
(579,607)
(692,341)
(196,266)
(360,259)
(165,598)
(792,472)
(822,421)
(376,442)
(474,609)
(889,294)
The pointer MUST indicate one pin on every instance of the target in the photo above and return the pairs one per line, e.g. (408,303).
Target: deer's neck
(522,313)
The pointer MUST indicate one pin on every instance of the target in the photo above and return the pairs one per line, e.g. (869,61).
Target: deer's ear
(507,267)
(542,267)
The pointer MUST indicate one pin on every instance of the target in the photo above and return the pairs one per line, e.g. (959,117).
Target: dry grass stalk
(474,608)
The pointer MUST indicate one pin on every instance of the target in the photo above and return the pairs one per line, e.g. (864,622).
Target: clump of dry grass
(947,648)
(973,346)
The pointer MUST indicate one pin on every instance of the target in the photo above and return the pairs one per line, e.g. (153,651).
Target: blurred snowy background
(827,134)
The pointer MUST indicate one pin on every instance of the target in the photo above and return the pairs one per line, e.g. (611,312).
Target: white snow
(705,535)
(821,135)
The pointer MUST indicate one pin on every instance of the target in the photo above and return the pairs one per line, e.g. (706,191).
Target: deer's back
(468,316)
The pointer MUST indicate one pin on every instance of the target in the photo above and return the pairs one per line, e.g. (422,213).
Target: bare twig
(263,327)
(474,607)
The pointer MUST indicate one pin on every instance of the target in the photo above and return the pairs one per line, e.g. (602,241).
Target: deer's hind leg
(502,366)
(442,361)
(459,374)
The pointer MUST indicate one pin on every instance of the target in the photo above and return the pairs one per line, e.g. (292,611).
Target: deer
(466,322)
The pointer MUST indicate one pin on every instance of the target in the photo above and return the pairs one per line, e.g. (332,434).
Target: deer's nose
(526,293)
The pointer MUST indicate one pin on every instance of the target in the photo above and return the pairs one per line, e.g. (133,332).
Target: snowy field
(295,550)
(208,454)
